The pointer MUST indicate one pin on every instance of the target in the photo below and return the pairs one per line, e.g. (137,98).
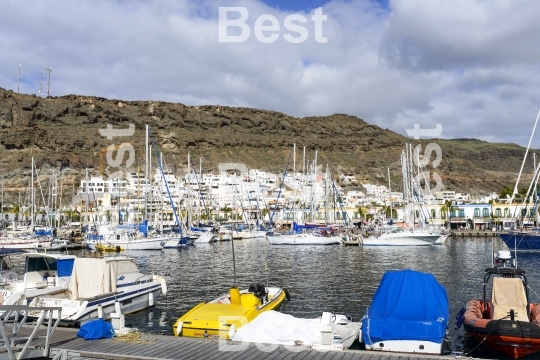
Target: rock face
(62,133)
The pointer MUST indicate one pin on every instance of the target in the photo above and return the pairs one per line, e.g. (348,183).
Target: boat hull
(395,241)
(408,346)
(24,244)
(302,239)
(521,241)
(76,312)
(215,319)
(142,244)
(512,338)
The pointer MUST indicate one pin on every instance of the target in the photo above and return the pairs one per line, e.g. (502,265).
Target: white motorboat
(401,237)
(114,283)
(248,233)
(330,332)
(303,239)
(126,240)
(25,241)
(44,274)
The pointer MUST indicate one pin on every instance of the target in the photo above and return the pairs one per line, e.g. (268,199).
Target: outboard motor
(503,258)
(259,290)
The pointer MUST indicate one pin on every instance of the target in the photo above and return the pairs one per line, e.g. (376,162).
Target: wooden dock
(156,347)
(474,233)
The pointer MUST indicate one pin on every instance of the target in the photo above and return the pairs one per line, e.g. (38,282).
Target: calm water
(340,279)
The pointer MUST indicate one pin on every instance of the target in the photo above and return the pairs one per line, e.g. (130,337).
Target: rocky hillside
(61,133)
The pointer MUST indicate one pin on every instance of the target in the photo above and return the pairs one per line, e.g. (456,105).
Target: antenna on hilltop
(49,81)
(41,85)
(18,77)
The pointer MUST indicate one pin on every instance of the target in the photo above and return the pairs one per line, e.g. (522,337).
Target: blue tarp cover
(64,267)
(96,329)
(408,305)
(297,228)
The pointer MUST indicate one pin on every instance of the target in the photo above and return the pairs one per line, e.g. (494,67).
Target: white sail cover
(272,327)
(96,276)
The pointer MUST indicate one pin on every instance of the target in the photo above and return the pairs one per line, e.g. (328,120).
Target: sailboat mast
(189,191)
(145,217)
(32,197)
(294,183)
(61,194)
(2,198)
(524,158)
(390,193)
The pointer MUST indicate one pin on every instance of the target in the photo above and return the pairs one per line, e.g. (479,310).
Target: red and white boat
(507,321)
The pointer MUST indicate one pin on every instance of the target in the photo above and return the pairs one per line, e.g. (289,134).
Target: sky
(472,66)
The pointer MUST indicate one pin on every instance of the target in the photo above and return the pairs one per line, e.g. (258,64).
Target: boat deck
(148,346)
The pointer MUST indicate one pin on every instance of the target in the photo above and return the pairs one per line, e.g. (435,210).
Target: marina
(344,282)
(276,180)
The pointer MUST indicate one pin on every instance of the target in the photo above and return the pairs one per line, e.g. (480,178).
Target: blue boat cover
(96,329)
(64,267)
(297,228)
(408,305)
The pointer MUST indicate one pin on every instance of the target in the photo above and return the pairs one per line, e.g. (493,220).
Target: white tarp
(273,327)
(124,266)
(96,276)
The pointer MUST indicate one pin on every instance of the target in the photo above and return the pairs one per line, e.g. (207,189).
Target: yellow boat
(108,247)
(226,314)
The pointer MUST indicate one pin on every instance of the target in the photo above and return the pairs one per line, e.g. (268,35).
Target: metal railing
(12,320)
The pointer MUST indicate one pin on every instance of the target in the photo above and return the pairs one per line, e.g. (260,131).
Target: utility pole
(49,69)
(19,78)
(41,85)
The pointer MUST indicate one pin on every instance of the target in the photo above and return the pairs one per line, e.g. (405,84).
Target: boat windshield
(40,264)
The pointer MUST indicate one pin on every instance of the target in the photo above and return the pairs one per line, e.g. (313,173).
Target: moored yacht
(401,237)
(114,283)
(43,274)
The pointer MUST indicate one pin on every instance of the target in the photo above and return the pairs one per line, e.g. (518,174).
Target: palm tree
(362,211)
(226,210)
(448,207)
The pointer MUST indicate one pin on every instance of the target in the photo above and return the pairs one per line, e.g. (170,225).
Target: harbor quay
(64,344)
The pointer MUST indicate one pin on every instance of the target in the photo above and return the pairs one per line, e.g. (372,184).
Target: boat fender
(460,317)
(232,331)
(163,286)
(179,325)
(287,295)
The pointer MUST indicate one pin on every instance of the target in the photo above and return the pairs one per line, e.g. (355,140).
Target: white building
(375,189)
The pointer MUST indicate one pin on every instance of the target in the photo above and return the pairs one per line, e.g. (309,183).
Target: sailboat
(412,194)
(525,240)
(20,237)
(223,316)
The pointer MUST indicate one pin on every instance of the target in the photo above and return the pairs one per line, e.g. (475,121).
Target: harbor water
(339,279)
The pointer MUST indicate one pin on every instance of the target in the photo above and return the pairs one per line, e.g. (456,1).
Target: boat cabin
(47,270)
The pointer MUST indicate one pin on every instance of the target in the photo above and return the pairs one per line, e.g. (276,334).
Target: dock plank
(193,351)
(170,347)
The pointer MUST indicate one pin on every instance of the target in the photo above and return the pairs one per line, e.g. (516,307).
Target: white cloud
(470,65)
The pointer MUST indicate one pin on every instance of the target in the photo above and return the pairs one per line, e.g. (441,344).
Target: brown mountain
(62,133)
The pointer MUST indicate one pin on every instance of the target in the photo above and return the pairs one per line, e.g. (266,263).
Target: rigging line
(280,188)
(484,339)
(344,214)
(166,184)
(201,197)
